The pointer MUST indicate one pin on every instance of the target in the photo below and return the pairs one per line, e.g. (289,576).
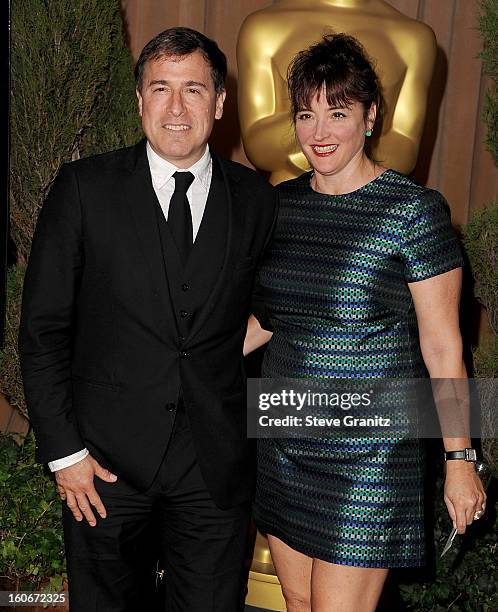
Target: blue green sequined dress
(335,294)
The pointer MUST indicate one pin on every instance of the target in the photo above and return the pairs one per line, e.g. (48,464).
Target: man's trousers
(202,549)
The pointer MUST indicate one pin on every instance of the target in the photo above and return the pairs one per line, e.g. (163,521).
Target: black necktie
(179,216)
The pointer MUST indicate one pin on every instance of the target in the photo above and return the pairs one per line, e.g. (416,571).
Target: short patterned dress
(335,294)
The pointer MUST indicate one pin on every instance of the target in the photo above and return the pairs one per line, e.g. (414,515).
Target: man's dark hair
(177,42)
(340,63)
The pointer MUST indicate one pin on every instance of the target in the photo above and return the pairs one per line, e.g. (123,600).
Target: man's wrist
(64,462)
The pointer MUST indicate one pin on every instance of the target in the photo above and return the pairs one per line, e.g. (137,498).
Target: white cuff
(65,462)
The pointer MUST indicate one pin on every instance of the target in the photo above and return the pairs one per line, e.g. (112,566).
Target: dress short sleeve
(429,246)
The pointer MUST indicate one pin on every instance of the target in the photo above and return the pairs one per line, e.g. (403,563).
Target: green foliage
(466,578)
(488,27)
(31,542)
(115,119)
(64,57)
(486,358)
(490,116)
(480,238)
(72,94)
(10,371)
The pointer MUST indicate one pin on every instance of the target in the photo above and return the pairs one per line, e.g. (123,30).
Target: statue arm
(402,141)
(263,102)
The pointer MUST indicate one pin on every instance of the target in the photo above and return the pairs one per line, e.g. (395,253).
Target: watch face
(470,454)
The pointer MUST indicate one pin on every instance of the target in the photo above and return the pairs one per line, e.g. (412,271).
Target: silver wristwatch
(467,454)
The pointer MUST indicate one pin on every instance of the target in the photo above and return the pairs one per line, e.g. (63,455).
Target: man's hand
(75,484)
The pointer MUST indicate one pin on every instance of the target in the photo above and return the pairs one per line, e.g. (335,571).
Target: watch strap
(467,454)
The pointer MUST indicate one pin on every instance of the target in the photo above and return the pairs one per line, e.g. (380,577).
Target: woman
(362,280)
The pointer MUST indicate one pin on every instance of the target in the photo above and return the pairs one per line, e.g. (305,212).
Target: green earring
(368,133)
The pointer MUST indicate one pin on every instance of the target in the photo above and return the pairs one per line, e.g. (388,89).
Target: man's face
(178,105)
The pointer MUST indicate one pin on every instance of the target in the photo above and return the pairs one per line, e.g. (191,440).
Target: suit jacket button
(170,407)
(183,354)
(181,338)
(185,287)
(183,314)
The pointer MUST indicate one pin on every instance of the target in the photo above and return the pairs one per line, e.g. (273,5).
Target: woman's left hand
(463,493)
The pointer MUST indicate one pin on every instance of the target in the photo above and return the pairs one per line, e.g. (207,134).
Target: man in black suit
(134,313)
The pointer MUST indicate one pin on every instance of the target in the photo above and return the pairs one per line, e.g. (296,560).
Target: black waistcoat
(190,283)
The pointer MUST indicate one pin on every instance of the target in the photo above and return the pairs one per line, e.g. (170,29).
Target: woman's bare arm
(436,303)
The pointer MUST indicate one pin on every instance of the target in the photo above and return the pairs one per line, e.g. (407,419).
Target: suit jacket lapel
(142,203)
(235,224)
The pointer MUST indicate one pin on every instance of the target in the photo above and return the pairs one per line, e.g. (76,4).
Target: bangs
(337,82)
(337,93)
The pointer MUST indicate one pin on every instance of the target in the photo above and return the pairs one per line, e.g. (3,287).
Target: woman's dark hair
(340,63)
(177,42)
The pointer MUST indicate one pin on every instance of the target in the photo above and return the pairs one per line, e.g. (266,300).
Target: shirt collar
(162,170)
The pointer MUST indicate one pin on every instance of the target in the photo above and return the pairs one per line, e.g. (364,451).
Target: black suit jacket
(100,354)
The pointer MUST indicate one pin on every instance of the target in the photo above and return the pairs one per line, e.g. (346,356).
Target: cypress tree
(72,95)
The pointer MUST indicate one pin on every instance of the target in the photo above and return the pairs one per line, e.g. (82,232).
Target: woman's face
(332,138)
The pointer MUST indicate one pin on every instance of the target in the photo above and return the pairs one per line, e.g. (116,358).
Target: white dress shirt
(164,185)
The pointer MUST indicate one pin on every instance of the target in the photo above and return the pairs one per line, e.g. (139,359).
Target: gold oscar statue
(403,51)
